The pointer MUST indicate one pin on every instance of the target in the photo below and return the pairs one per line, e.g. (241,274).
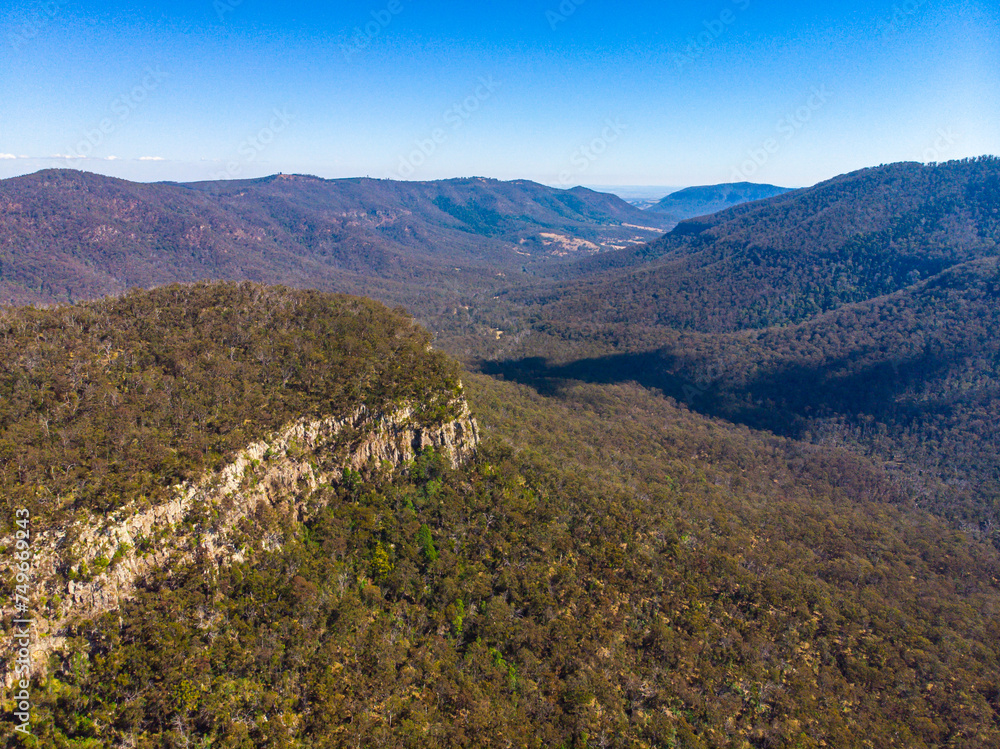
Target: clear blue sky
(592,92)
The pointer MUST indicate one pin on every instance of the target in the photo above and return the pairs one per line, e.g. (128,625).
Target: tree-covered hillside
(115,401)
(69,236)
(610,571)
(789,258)
(860,313)
(910,379)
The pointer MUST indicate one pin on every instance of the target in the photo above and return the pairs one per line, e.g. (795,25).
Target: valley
(729,483)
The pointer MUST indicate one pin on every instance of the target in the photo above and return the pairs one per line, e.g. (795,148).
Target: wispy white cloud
(151,158)
(7,156)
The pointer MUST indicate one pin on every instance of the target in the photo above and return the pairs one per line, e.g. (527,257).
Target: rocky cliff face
(90,568)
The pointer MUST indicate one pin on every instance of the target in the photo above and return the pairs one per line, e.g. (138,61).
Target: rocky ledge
(88,569)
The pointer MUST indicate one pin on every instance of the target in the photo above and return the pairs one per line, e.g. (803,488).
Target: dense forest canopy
(860,313)
(114,401)
(789,258)
(738,487)
(610,571)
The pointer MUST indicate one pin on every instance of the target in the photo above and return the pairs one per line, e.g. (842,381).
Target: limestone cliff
(91,567)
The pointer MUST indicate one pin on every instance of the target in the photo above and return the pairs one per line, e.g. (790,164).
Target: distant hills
(788,258)
(736,486)
(67,235)
(861,312)
(706,199)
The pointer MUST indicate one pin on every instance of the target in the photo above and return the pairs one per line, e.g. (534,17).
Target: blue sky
(560,91)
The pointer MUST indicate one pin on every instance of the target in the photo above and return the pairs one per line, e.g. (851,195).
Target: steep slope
(173,382)
(859,313)
(127,428)
(703,200)
(785,259)
(67,236)
(95,564)
(610,570)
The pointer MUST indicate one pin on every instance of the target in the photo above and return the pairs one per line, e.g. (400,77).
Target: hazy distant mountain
(641,196)
(67,235)
(701,201)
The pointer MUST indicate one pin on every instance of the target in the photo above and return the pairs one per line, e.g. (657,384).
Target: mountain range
(727,484)
(859,312)
(68,235)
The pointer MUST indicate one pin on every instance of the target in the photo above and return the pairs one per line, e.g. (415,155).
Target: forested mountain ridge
(141,432)
(69,236)
(785,259)
(609,569)
(869,322)
(132,395)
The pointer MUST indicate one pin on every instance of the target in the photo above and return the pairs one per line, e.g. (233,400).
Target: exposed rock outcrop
(109,556)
